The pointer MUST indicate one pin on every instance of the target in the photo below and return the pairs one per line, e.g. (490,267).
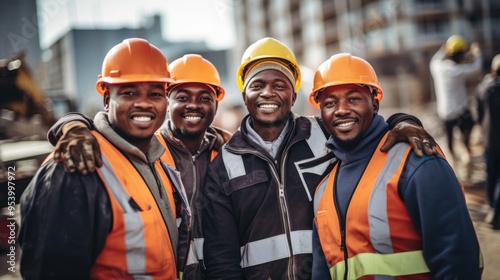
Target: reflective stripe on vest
(381,264)
(134,234)
(195,253)
(138,245)
(275,248)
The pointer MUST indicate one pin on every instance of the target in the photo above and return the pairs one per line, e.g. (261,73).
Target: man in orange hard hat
(188,135)
(383,214)
(118,222)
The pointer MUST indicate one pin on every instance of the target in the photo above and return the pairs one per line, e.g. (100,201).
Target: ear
(375,105)
(105,100)
(294,97)
(244,96)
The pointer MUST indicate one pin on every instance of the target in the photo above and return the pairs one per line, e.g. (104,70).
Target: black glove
(408,131)
(78,149)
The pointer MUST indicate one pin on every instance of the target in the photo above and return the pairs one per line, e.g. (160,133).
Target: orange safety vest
(139,243)
(167,156)
(379,236)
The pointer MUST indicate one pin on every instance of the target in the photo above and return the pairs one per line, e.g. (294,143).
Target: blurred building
(398,37)
(72,63)
(19,30)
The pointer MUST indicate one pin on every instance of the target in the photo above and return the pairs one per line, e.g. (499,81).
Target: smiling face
(136,110)
(192,108)
(347,111)
(269,98)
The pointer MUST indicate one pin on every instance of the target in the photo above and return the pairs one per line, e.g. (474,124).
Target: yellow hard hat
(268,48)
(455,44)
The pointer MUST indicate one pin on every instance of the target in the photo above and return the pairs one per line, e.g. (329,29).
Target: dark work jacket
(193,169)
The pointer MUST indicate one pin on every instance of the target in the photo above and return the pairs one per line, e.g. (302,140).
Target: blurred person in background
(488,109)
(118,222)
(450,68)
(383,213)
(258,219)
(188,135)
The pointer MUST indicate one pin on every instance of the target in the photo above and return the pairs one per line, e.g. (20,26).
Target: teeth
(142,119)
(345,124)
(268,106)
(192,117)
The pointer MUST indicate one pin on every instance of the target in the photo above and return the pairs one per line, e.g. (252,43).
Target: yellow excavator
(25,117)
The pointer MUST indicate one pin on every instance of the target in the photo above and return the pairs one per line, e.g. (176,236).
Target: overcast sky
(208,20)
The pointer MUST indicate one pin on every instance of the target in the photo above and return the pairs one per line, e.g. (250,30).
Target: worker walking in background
(488,102)
(118,222)
(450,68)
(383,213)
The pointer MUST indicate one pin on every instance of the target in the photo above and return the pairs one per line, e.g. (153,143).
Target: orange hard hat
(268,48)
(131,61)
(341,69)
(193,68)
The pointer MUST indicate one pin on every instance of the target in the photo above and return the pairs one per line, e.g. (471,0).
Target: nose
(267,91)
(343,108)
(143,103)
(193,104)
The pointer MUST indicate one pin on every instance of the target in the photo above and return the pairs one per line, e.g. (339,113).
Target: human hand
(408,131)
(474,48)
(78,149)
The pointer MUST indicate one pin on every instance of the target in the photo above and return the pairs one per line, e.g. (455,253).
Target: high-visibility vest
(379,235)
(139,244)
(167,155)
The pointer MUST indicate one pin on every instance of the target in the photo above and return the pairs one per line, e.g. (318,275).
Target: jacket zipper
(284,209)
(343,246)
(191,199)
(281,197)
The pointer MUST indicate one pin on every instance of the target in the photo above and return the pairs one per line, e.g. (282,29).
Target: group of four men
(187,200)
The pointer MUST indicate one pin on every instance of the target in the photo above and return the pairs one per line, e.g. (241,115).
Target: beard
(189,134)
(349,145)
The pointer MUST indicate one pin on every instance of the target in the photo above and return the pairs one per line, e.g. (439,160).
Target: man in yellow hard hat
(383,214)
(450,68)
(118,222)
(257,221)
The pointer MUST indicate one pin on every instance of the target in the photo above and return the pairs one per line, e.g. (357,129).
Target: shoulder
(53,180)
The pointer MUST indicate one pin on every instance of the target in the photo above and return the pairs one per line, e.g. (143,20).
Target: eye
(128,93)
(206,98)
(255,86)
(329,103)
(279,86)
(181,98)
(157,94)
